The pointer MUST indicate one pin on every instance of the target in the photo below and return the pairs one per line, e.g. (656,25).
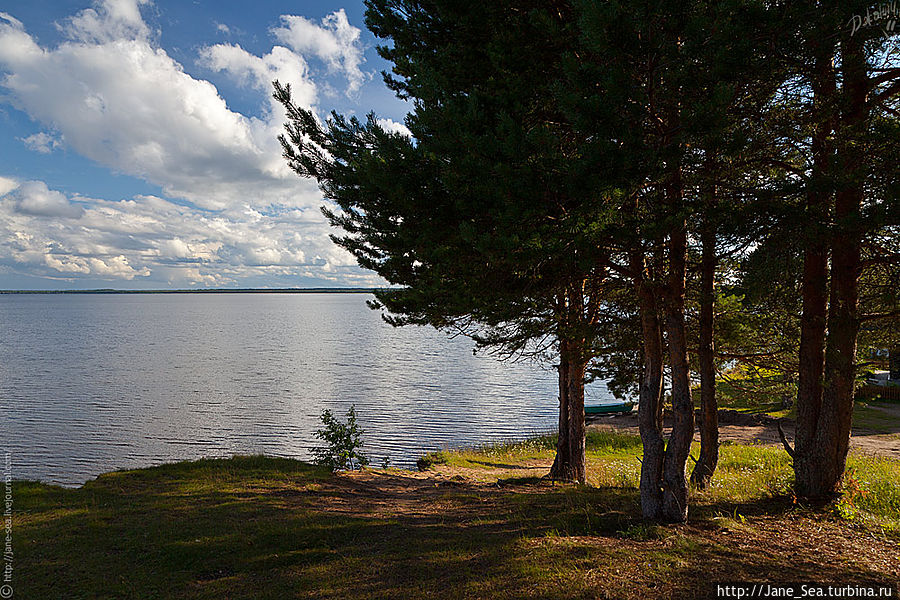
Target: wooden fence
(885,392)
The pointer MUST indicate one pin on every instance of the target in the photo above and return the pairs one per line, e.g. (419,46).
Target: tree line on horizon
(640,192)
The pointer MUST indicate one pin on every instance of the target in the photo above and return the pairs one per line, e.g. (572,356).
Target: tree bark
(563,458)
(832,436)
(709,410)
(812,371)
(815,282)
(675,489)
(570,461)
(577,465)
(833,432)
(650,403)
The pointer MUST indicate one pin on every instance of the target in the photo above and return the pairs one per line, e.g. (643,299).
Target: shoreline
(480,524)
(735,427)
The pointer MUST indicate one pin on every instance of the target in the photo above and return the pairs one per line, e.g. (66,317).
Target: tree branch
(886,75)
(784,441)
(886,94)
(751,355)
(877,316)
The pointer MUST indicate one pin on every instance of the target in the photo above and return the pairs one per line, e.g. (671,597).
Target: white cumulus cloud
(34,198)
(120,100)
(108,20)
(41,142)
(45,232)
(335,41)
(7,184)
(234,212)
(260,71)
(394,127)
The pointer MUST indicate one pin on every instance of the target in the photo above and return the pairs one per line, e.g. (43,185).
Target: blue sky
(139,142)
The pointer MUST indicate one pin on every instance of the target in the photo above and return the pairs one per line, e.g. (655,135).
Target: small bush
(342,452)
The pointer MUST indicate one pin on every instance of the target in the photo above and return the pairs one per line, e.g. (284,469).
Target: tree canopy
(635,189)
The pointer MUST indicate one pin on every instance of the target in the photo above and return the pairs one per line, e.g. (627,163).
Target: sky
(139,141)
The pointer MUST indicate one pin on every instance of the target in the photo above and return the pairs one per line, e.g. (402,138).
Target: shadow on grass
(776,506)
(874,417)
(255,527)
(496,465)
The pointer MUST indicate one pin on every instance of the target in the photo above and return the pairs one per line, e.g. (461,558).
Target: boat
(614,408)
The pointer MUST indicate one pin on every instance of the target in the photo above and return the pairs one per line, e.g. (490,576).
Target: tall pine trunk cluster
(715,125)
(569,463)
(830,321)
(576,307)
(650,404)
(661,308)
(708,460)
(674,488)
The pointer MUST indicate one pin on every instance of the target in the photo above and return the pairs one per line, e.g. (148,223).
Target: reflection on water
(91,383)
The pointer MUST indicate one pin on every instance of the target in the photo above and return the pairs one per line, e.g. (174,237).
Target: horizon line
(297,290)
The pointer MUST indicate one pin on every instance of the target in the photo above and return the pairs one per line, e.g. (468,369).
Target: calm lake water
(90,383)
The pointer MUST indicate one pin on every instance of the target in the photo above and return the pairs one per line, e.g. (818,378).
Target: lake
(95,382)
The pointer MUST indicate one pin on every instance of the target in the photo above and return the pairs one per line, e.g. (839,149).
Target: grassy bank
(747,474)
(255,527)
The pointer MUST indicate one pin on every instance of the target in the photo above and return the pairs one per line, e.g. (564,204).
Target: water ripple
(91,383)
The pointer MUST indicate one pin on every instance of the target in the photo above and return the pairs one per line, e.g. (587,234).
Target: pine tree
(478,217)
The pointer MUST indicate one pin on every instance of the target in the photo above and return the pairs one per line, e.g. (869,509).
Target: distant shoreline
(206,291)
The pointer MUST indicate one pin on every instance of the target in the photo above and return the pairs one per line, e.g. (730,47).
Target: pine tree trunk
(675,489)
(563,458)
(833,432)
(709,410)
(832,439)
(811,375)
(570,461)
(578,460)
(650,403)
(812,371)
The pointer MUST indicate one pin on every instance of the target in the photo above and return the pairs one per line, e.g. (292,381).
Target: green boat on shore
(615,408)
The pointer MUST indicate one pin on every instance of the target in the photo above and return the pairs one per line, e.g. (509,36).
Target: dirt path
(744,428)
(765,544)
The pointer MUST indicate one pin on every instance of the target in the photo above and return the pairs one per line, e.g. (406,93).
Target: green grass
(872,492)
(738,394)
(184,520)
(745,473)
(599,442)
(867,416)
(257,527)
